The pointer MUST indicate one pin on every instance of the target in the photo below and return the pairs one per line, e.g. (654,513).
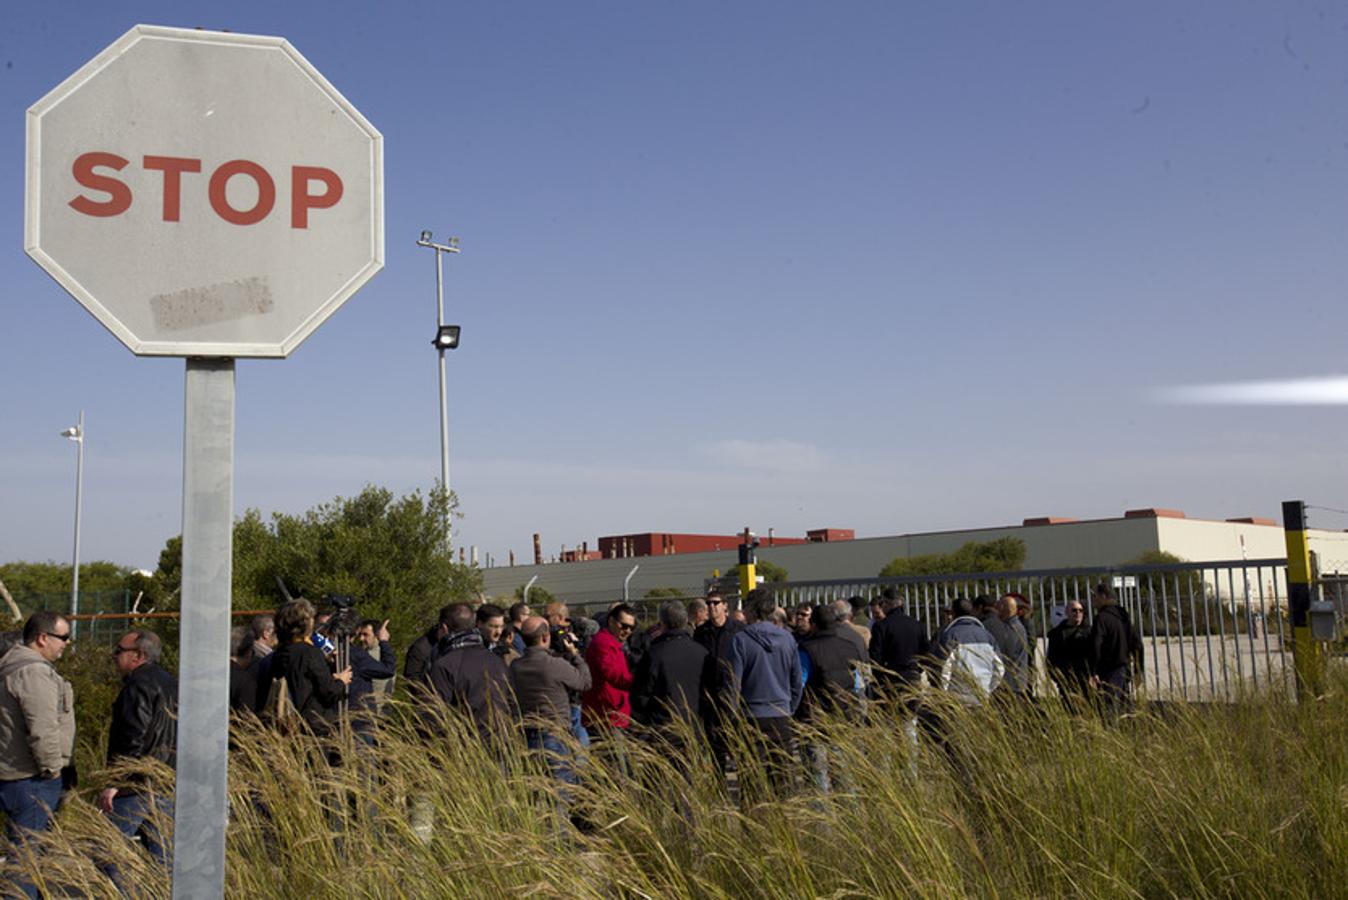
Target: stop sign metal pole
(203,679)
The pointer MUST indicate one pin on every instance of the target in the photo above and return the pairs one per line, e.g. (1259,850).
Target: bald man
(541,679)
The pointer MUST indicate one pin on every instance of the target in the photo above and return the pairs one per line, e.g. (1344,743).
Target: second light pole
(76,434)
(446,338)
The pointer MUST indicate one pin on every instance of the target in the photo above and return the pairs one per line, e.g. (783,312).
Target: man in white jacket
(970,669)
(37,725)
(971,665)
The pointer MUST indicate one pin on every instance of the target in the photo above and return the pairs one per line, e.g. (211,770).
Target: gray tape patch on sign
(210,305)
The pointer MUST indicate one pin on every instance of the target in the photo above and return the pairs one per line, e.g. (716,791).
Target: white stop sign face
(204,194)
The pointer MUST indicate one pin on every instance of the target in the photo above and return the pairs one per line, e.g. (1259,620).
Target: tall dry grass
(1192,801)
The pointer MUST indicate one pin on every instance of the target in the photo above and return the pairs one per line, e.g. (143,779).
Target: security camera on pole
(209,196)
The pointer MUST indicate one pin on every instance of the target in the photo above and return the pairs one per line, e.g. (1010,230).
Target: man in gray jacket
(37,725)
(542,681)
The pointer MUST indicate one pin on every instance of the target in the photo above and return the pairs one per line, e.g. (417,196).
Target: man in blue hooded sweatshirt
(766,665)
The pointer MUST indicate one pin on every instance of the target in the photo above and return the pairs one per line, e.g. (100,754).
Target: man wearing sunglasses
(144,724)
(37,725)
(607,705)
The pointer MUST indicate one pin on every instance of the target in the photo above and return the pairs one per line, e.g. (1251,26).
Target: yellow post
(1307,655)
(748,564)
(748,578)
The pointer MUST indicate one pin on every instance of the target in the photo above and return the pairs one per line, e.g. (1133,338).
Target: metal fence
(92,603)
(1211,630)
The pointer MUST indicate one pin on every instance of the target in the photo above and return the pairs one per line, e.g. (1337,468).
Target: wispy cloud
(1323,391)
(776,456)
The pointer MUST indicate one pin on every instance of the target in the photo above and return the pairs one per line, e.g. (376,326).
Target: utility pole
(76,434)
(446,338)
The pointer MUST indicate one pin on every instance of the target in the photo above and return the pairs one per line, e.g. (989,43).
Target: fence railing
(93,603)
(1210,630)
(106,615)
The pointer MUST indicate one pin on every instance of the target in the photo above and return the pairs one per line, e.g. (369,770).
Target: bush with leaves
(389,553)
(1002,555)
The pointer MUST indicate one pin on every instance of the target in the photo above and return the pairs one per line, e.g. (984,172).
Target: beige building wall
(1198,539)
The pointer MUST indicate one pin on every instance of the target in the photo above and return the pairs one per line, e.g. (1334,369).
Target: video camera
(343,618)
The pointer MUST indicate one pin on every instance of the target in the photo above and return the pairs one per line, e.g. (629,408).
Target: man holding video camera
(558,617)
(543,681)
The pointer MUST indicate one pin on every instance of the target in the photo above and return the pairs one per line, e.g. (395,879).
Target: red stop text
(311,187)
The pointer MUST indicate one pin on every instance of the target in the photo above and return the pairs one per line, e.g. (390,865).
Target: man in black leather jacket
(144,724)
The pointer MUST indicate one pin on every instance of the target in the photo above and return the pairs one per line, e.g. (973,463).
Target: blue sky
(894,267)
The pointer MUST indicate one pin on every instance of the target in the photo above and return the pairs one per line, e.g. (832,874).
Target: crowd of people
(563,683)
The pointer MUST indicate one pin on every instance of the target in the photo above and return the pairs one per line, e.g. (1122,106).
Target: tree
(1001,555)
(33,579)
(390,554)
(665,593)
(771,572)
(1170,600)
(538,596)
(37,585)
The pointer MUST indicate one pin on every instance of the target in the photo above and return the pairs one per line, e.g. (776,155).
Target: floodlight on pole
(446,338)
(76,433)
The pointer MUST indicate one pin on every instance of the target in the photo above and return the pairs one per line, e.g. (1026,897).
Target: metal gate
(1210,630)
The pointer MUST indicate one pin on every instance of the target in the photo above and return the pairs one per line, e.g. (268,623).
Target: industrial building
(835,554)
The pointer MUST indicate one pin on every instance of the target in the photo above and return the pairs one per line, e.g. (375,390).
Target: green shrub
(1002,555)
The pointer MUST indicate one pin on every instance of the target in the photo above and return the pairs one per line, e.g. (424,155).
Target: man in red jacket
(607,705)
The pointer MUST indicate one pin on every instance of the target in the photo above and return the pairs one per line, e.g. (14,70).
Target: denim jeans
(133,813)
(578,730)
(561,766)
(555,753)
(29,803)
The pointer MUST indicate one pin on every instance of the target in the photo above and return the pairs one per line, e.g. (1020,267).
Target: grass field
(1191,801)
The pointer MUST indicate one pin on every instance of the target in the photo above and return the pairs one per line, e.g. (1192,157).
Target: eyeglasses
(716,603)
(119,650)
(59,637)
(1076,609)
(626,626)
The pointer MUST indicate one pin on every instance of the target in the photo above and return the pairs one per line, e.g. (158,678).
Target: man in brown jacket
(37,725)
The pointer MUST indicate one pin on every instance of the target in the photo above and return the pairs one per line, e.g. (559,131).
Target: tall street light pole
(76,434)
(446,338)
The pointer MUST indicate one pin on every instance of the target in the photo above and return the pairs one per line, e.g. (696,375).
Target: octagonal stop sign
(204,193)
